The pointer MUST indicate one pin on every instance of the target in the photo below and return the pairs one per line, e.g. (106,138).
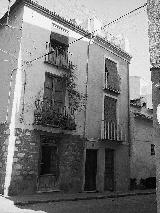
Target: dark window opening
(59,42)
(152,149)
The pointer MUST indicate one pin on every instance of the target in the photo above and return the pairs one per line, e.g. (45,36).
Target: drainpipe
(129,135)
(85,111)
(86,87)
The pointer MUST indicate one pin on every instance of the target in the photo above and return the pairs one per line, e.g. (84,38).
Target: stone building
(64,107)
(153,12)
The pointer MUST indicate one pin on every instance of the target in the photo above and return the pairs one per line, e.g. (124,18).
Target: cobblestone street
(130,204)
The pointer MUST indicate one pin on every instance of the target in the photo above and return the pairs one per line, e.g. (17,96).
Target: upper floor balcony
(57,57)
(111,131)
(47,114)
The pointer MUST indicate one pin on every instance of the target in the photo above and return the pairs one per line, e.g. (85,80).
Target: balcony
(46,114)
(111,131)
(58,58)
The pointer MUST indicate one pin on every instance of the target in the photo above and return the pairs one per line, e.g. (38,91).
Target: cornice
(57,18)
(67,23)
(114,48)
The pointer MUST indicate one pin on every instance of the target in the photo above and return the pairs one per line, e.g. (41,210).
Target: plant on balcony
(76,98)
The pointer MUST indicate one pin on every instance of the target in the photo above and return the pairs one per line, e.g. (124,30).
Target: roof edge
(69,24)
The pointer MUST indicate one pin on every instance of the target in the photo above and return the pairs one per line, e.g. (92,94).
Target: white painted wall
(36,31)
(9,53)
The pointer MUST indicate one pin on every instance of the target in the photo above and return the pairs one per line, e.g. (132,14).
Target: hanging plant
(75,97)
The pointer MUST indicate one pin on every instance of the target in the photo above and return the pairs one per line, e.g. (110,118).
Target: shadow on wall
(148,183)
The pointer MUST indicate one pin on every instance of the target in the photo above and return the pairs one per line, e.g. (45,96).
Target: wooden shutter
(112,75)
(48,89)
(110,110)
(58,94)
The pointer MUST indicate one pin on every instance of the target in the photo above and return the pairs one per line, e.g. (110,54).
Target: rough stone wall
(4,133)
(25,168)
(25,163)
(153,11)
(71,163)
(156,127)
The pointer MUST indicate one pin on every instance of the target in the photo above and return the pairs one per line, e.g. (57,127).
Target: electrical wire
(6,52)
(89,34)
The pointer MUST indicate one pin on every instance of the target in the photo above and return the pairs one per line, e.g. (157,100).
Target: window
(110,118)
(111,75)
(110,109)
(152,149)
(58,48)
(54,92)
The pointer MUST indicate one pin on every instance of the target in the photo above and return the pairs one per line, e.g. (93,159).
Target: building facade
(65,109)
(143,167)
(153,12)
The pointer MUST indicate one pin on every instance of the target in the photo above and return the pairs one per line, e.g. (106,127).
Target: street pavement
(128,204)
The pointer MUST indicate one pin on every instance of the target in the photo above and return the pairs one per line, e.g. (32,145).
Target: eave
(67,23)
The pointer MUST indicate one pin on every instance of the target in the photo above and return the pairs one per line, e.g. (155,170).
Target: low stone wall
(4,133)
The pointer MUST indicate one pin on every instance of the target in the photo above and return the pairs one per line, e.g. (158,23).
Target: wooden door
(90,170)
(48,178)
(109,170)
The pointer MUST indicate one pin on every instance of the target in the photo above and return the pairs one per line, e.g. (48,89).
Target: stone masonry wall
(71,163)
(4,133)
(25,167)
(153,12)
(25,163)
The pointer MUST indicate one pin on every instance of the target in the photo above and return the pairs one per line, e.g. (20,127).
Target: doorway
(90,170)
(49,168)
(109,170)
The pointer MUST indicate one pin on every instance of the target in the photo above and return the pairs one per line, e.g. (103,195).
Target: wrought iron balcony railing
(57,57)
(112,132)
(47,114)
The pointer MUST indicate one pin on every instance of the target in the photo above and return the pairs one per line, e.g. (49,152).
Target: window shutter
(48,88)
(59,34)
(111,74)
(59,94)
(110,109)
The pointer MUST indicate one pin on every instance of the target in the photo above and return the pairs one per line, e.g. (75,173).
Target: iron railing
(47,114)
(112,132)
(57,57)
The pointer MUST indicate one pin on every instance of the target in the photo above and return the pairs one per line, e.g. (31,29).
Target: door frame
(40,153)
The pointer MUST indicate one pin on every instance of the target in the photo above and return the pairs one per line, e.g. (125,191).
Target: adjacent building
(64,107)
(143,167)
(153,12)
(142,161)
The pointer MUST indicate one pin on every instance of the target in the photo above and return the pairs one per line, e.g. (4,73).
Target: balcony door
(54,91)
(110,109)
(110,117)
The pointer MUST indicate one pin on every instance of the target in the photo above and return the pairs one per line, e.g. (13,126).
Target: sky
(134,27)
